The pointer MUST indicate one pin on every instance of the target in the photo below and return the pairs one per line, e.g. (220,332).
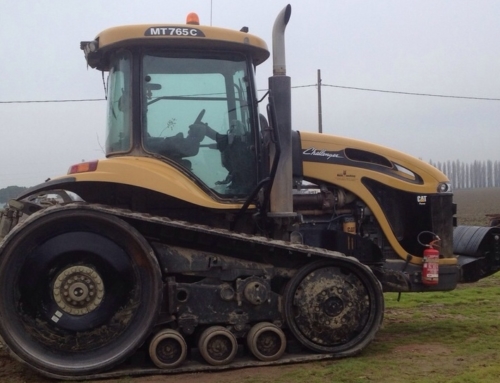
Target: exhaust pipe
(279,57)
(281,198)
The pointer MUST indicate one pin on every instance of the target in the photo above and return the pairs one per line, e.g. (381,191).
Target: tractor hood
(354,159)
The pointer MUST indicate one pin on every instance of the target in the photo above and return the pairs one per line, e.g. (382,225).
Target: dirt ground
(12,371)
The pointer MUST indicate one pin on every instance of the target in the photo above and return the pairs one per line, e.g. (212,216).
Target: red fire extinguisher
(430,262)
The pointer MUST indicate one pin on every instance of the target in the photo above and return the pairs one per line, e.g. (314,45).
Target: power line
(399,92)
(293,87)
(40,101)
(412,93)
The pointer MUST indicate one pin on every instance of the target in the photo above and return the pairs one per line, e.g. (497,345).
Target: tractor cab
(185,95)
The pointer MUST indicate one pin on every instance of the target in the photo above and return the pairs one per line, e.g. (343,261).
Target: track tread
(194,366)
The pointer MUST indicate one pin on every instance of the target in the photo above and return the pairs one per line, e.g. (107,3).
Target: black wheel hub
(333,306)
(168,351)
(219,347)
(269,343)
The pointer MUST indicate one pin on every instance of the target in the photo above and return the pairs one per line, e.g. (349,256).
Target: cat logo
(422,199)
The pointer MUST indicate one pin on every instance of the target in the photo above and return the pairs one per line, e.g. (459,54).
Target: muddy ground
(12,371)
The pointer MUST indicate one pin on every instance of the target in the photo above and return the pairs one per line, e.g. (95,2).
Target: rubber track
(189,366)
(193,367)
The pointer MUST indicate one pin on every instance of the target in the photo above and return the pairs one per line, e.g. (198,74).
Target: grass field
(426,337)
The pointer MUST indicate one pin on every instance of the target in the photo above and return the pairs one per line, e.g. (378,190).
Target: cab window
(195,112)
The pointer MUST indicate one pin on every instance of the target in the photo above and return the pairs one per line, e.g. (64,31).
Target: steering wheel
(198,121)
(200,117)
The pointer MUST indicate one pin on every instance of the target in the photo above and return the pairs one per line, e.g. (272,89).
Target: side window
(241,112)
(118,138)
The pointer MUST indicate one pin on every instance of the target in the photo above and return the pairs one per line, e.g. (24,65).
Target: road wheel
(334,306)
(79,291)
(168,349)
(266,341)
(218,346)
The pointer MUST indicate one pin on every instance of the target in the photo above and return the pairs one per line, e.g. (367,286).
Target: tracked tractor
(213,236)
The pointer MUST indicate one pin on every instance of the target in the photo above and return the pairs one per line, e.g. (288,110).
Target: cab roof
(180,36)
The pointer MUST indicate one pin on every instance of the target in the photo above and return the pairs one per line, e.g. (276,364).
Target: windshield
(195,112)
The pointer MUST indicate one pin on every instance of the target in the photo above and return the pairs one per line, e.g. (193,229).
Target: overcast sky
(443,47)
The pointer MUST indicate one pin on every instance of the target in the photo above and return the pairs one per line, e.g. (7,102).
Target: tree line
(477,174)
(10,192)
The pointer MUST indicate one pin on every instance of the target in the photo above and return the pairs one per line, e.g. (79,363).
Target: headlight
(444,187)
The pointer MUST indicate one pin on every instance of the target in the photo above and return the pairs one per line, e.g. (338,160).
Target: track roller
(218,346)
(168,349)
(266,341)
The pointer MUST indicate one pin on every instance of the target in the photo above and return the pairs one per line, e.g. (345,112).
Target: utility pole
(320,116)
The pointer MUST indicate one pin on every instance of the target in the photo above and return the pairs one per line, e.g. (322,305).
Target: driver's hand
(197,131)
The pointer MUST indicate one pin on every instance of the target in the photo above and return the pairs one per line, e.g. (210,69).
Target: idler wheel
(334,306)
